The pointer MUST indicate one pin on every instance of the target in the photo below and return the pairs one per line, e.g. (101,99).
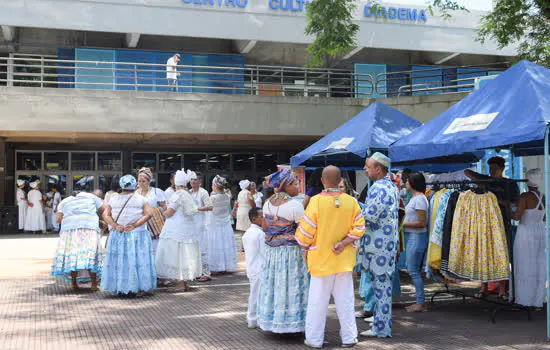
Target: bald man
(331,223)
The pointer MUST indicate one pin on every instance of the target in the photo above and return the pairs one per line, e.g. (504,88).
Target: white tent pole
(547,209)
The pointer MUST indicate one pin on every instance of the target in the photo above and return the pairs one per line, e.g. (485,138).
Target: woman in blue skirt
(129,266)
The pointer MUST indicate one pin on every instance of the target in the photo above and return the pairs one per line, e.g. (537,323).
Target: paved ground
(39,312)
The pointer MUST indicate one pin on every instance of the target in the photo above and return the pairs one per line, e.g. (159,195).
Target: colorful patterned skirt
(77,250)
(284,291)
(479,250)
(129,263)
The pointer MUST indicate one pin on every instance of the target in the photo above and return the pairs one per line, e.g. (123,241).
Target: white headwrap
(192,175)
(20,183)
(244,184)
(534,178)
(182,178)
(35,184)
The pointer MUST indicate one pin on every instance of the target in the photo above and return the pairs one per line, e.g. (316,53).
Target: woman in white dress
(222,249)
(21,204)
(529,245)
(35,221)
(55,206)
(258,196)
(245,202)
(156,199)
(48,210)
(179,255)
(129,267)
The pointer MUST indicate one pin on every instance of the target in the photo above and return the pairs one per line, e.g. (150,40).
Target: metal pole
(547,210)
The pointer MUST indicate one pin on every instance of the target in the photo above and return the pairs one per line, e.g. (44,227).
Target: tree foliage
(523,23)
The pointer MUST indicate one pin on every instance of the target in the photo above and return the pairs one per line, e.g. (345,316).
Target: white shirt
(258,199)
(254,248)
(169,192)
(21,197)
(171,72)
(419,202)
(56,201)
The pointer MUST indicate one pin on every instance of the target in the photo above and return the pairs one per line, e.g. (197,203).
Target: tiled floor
(39,312)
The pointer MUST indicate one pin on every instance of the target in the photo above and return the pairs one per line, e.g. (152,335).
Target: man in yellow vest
(331,223)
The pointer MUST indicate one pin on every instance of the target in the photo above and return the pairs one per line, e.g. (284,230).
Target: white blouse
(132,212)
(153,197)
(180,227)
(220,208)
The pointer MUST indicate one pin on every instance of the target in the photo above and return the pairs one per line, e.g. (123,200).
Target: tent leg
(547,209)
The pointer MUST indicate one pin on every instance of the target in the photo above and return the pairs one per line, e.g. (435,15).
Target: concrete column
(10,179)
(3,171)
(126,162)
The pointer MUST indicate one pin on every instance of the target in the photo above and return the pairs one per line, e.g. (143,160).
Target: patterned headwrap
(280,179)
(220,182)
(396,179)
(381,159)
(146,173)
(128,182)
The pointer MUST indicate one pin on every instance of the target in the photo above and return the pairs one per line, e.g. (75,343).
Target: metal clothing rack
(500,306)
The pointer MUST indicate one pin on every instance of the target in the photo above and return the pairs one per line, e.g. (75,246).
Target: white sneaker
(369,334)
(369,320)
(306,343)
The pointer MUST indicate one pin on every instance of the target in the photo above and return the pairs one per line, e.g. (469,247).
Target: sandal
(75,288)
(416,308)
(503,296)
(94,289)
(205,279)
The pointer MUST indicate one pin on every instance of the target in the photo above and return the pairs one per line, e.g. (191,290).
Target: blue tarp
(511,110)
(375,128)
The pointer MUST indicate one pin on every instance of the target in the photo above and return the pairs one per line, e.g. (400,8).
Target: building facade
(85,96)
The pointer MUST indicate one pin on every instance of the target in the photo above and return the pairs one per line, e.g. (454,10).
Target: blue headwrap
(128,182)
(280,179)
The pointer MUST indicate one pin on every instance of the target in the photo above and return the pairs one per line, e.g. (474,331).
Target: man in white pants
(331,216)
(254,250)
(202,200)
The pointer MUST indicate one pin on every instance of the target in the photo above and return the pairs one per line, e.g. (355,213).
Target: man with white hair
(35,220)
(21,204)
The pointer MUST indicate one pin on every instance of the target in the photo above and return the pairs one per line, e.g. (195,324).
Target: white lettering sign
(471,123)
(341,144)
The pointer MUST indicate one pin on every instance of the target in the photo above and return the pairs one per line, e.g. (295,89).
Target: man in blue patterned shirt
(380,244)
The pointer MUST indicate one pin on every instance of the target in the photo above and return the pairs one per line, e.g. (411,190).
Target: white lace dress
(178,253)
(222,248)
(530,258)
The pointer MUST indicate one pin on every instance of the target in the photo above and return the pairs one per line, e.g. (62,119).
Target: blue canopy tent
(374,129)
(512,111)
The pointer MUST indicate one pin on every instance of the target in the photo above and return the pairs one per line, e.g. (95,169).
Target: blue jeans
(417,244)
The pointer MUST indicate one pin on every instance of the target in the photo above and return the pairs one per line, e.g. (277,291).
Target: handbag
(156,222)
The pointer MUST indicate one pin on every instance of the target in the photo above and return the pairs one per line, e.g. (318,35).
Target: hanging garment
(436,231)
(446,237)
(479,251)
(530,258)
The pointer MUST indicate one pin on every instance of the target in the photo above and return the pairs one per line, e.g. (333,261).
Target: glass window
(108,183)
(266,162)
(195,162)
(57,181)
(83,183)
(169,162)
(144,160)
(29,161)
(82,161)
(109,161)
(56,160)
(243,161)
(163,182)
(219,161)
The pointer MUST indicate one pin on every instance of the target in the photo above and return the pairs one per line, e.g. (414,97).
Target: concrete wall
(33,111)
(254,20)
